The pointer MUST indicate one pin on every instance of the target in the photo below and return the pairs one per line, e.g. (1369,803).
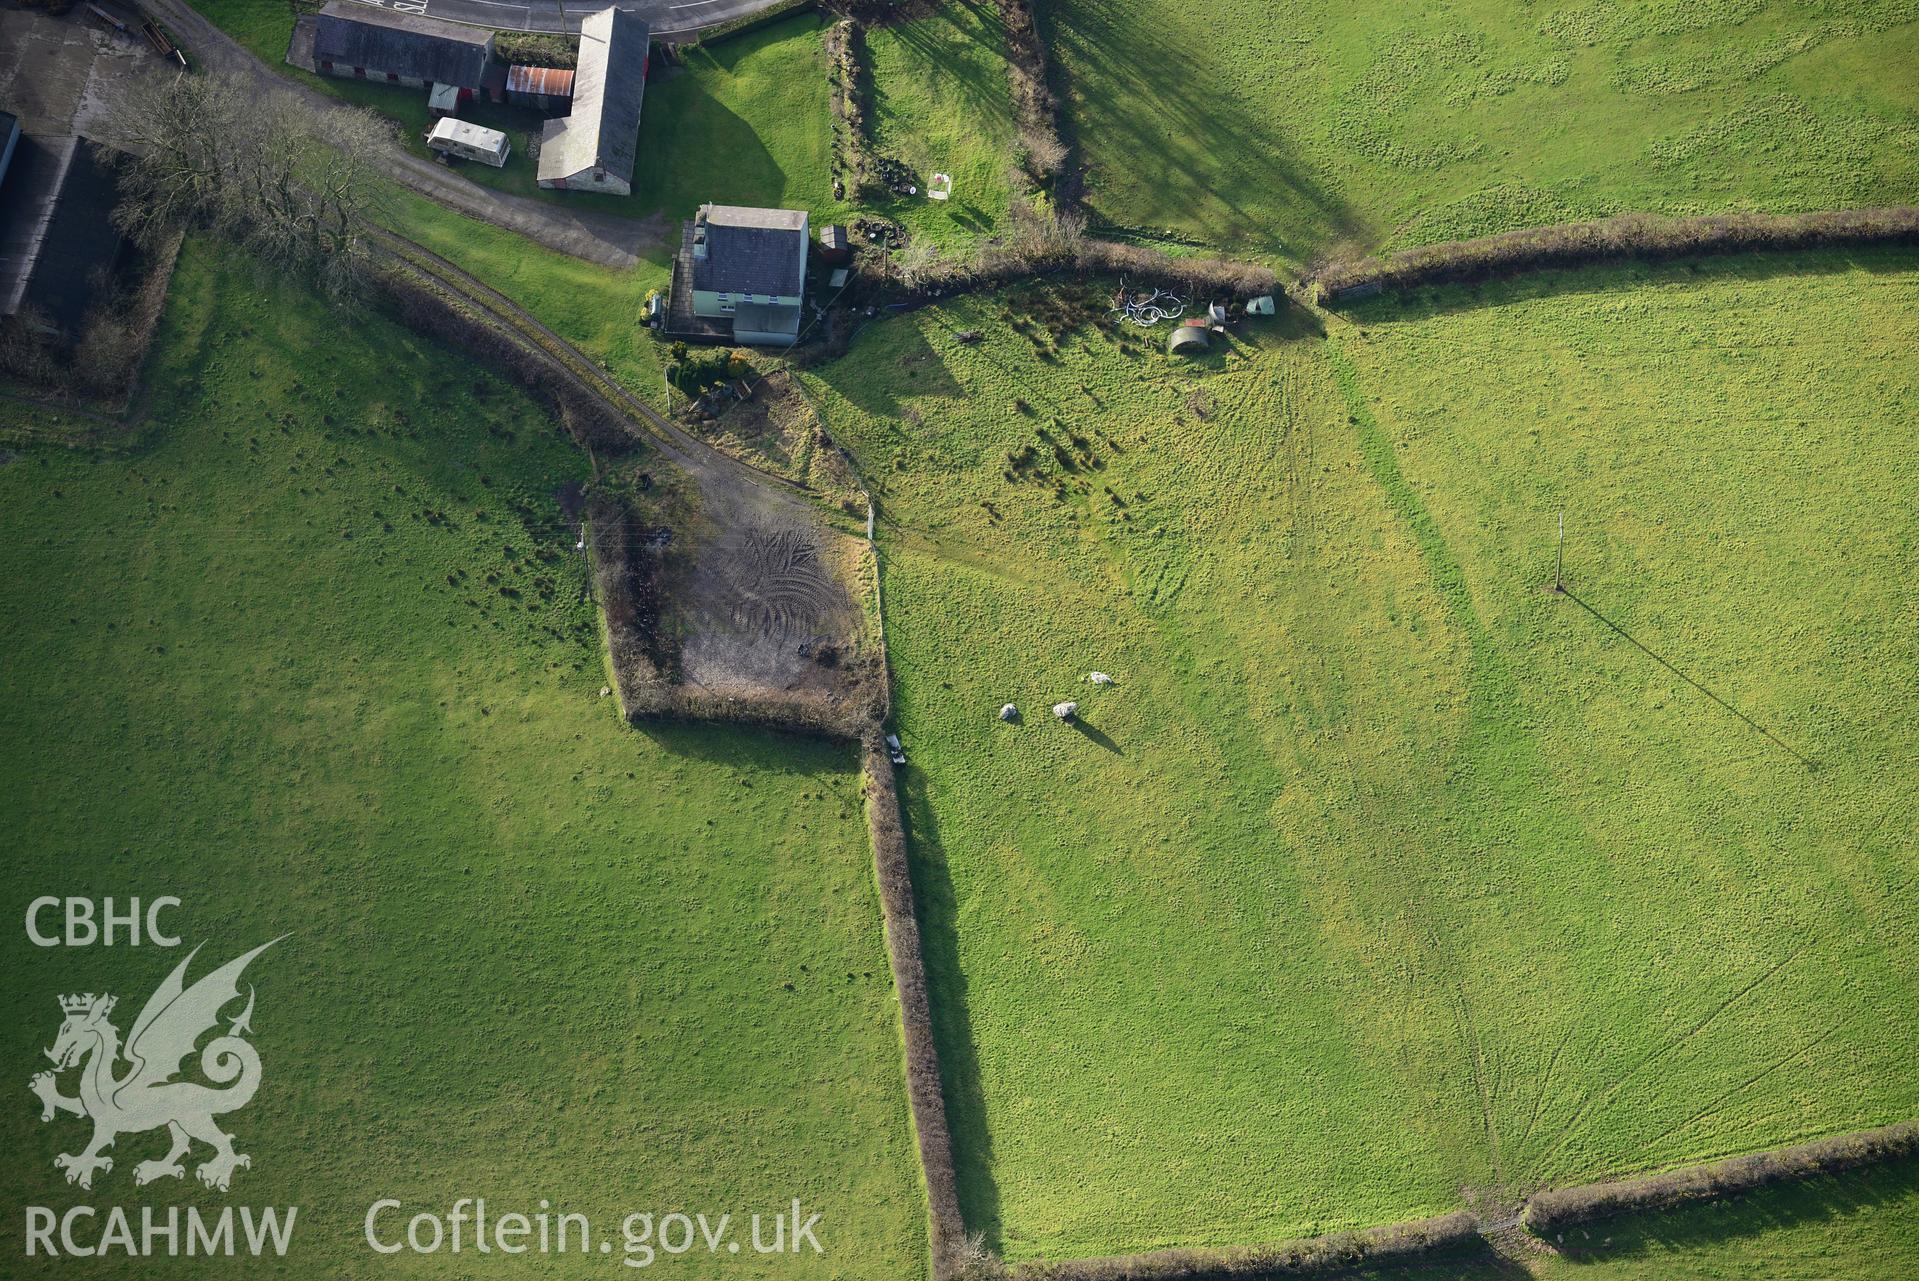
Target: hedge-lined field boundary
(1554,1210)
(852,154)
(1547,1212)
(1394,1243)
(1042,245)
(925,1091)
(1628,237)
(1035,106)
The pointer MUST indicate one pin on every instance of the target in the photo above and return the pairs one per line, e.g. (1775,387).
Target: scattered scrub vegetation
(537,49)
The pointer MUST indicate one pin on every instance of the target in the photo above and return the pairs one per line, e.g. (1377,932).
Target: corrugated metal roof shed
(752,251)
(609,88)
(385,42)
(546,82)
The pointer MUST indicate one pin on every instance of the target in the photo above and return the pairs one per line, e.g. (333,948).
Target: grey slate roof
(350,34)
(55,228)
(752,251)
(9,136)
(609,86)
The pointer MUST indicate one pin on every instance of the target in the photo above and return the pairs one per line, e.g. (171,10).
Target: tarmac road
(669,19)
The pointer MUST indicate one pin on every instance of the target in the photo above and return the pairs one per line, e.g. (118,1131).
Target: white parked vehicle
(452,137)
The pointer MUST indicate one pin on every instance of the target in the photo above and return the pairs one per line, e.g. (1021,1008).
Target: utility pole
(1559,559)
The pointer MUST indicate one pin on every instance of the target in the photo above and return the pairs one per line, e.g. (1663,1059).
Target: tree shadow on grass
(1786,1205)
(1143,91)
(937,905)
(943,40)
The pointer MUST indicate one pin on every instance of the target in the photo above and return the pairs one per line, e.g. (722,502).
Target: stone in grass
(1009,713)
(605,690)
(1099,678)
(1066,711)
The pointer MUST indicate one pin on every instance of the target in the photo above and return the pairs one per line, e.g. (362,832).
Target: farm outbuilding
(58,244)
(469,142)
(1188,339)
(593,148)
(835,248)
(361,42)
(541,88)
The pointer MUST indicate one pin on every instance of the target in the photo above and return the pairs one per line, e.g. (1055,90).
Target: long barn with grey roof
(593,148)
(363,42)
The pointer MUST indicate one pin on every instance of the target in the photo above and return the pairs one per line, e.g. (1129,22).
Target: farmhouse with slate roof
(739,274)
(592,149)
(359,41)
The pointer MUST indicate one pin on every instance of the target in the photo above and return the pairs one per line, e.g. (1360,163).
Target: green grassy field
(746,123)
(312,656)
(1384,878)
(598,309)
(1287,130)
(940,105)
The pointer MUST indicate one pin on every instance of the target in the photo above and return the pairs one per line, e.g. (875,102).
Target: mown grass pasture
(1290,130)
(312,654)
(1384,878)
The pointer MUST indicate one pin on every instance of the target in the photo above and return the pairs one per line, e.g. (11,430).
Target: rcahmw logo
(149,1095)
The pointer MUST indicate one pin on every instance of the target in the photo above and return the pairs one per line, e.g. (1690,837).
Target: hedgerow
(1312,1256)
(1035,107)
(1629,236)
(1554,1210)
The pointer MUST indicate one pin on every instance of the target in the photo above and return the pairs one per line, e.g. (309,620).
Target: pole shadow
(1812,766)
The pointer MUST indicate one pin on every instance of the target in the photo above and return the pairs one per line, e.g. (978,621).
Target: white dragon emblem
(147,1096)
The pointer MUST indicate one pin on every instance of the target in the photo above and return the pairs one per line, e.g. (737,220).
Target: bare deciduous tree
(297,184)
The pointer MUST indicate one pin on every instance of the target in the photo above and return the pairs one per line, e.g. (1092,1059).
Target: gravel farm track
(764,590)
